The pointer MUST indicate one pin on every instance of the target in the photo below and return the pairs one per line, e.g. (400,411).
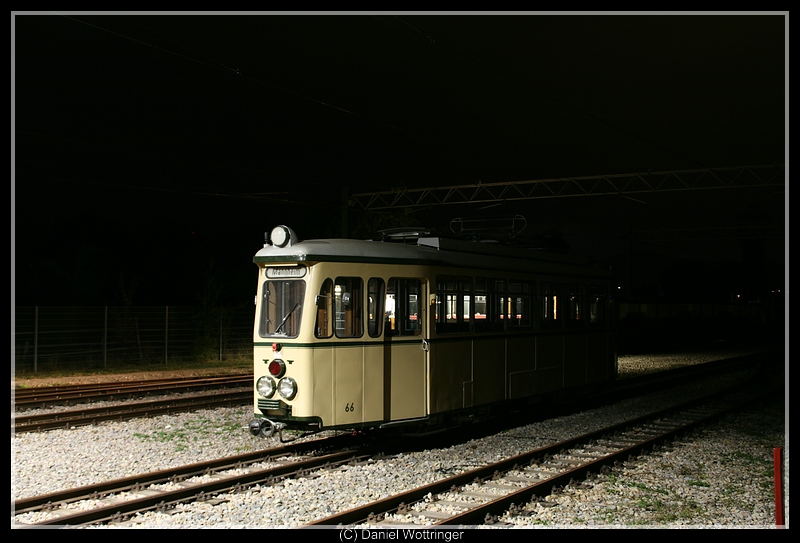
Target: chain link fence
(69,338)
(61,338)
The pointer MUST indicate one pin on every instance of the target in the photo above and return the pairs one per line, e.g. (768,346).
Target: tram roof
(432,251)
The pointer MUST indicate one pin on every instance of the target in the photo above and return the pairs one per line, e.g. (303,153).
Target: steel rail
(110,391)
(194,491)
(126,411)
(46,501)
(372,513)
(212,379)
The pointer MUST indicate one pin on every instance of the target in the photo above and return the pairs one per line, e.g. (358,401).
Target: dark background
(151,153)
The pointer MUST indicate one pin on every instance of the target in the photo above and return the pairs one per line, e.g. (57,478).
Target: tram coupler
(264,427)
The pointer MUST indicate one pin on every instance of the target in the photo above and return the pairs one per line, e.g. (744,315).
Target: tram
(420,329)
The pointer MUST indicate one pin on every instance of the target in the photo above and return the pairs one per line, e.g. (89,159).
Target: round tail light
(277,368)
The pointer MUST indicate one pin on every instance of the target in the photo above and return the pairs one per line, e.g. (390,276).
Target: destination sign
(284,273)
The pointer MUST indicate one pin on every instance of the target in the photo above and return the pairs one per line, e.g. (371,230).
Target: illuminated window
(575,299)
(403,311)
(347,295)
(552,298)
(453,304)
(519,304)
(489,296)
(375,305)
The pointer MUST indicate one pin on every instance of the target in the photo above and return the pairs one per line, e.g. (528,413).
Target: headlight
(266,386)
(282,236)
(287,388)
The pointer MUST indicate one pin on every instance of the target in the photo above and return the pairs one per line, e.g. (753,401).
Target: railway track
(84,395)
(494,494)
(44,397)
(121,498)
(47,397)
(474,497)
(127,411)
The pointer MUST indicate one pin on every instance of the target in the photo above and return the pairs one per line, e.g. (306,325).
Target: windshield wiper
(278,329)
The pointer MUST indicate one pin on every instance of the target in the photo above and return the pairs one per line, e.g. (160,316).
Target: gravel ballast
(720,476)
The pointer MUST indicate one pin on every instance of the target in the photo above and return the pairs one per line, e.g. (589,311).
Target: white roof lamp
(282,236)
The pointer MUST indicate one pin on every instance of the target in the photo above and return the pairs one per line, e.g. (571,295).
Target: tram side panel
(405,390)
(358,384)
(575,359)
(349,384)
(322,383)
(521,366)
(373,377)
(450,373)
(549,362)
(489,370)
(473,371)
(347,398)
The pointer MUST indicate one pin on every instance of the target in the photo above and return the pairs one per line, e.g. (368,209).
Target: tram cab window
(403,312)
(339,308)
(489,296)
(324,325)
(453,304)
(552,302)
(347,306)
(281,308)
(575,295)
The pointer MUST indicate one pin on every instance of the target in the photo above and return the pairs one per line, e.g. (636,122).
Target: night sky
(151,153)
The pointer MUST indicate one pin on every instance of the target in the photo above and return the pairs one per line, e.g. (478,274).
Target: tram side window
(403,310)
(375,304)
(347,296)
(489,296)
(519,304)
(552,301)
(575,295)
(281,308)
(324,326)
(453,304)
(598,305)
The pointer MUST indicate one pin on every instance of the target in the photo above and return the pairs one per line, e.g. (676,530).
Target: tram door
(405,349)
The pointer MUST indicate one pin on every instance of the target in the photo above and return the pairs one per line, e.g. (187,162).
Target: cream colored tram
(352,334)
